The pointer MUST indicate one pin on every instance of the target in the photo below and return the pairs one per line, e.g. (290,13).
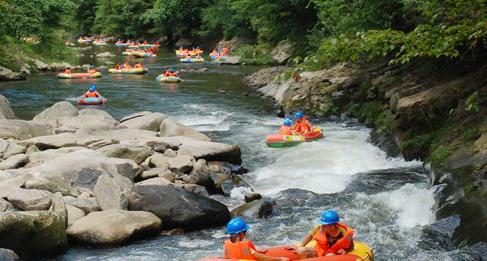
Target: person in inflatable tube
(92,92)
(301,124)
(170,72)
(237,247)
(332,238)
(286,128)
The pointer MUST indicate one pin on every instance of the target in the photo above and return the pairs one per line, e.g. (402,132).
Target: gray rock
(65,174)
(154,181)
(5,205)
(86,204)
(200,190)
(38,157)
(159,160)
(35,233)
(68,140)
(8,255)
(178,208)
(39,65)
(263,77)
(230,60)
(9,148)
(110,192)
(259,208)
(59,66)
(9,75)
(181,163)
(113,226)
(441,233)
(105,55)
(138,153)
(150,122)
(135,115)
(11,184)
(170,153)
(21,130)
(14,162)
(74,214)
(158,172)
(249,197)
(283,52)
(30,199)
(170,128)
(5,110)
(127,167)
(57,111)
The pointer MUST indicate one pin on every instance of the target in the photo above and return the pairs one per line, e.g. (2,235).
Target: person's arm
(262,257)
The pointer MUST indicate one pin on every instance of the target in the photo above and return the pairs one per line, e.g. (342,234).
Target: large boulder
(35,233)
(8,255)
(230,60)
(137,153)
(5,110)
(21,130)
(263,77)
(56,111)
(283,52)
(71,172)
(177,207)
(95,120)
(150,122)
(39,65)
(170,127)
(14,162)
(110,192)
(30,199)
(9,75)
(113,226)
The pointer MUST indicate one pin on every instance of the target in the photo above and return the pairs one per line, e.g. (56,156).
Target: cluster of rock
(83,175)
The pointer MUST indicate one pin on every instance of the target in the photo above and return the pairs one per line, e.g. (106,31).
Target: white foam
(324,166)
(239,192)
(412,204)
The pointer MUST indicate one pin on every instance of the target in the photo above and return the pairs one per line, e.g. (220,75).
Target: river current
(388,208)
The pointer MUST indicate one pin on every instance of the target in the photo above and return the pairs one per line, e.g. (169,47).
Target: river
(343,171)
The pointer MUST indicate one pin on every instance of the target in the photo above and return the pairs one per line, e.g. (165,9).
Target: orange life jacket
(285,130)
(346,242)
(302,126)
(239,250)
(94,94)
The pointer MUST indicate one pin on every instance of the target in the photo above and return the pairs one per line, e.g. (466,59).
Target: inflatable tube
(143,54)
(127,53)
(281,141)
(192,60)
(78,75)
(121,44)
(361,251)
(170,79)
(85,41)
(92,101)
(100,43)
(129,71)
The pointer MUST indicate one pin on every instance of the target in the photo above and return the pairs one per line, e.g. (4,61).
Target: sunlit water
(341,171)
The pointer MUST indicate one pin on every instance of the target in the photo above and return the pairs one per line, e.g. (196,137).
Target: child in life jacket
(92,92)
(286,128)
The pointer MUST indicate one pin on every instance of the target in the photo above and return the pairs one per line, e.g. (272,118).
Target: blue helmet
(329,217)
(288,122)
(92,88)
(171,69)
(298,115)
(236,225)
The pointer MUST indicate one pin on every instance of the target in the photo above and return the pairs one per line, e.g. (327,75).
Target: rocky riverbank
(440,120)
(81,176)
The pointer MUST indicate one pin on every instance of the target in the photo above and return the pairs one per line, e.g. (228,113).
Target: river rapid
(387,200)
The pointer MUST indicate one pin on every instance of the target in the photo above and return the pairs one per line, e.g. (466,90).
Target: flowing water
(343,171)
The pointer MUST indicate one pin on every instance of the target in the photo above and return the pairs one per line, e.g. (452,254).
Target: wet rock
(14,162)
(137,153)
(230,60)
(9,75)
(113,226)
(249,197)
(170,128)
(221,91)
(39,65)
(441,233)
(178,208)
(68,173)
(74,214)
(263,77)
(151,121)
(105,55)
(110,192)
(173,232)
(86,204)
(385,141)
(30,199)
(5,110)
(21,130)
(59,66)
(181,163)
(8,255)
(283,52)
(35,233)
(259,208)
(478,250)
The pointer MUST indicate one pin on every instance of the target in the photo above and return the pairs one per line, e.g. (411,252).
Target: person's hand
(341,252)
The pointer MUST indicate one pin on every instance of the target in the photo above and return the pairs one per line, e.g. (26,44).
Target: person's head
(171,69)
(298,115)
(237,229)
(329,220)
(92,88)
(288,122)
